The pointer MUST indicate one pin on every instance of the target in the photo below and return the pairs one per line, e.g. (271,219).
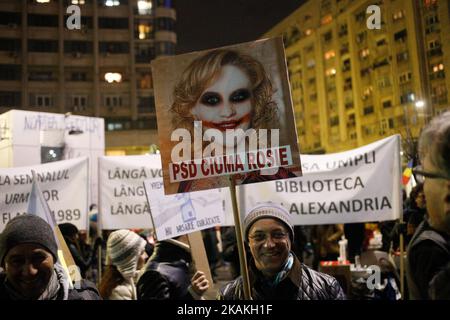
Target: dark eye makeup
(211,99)
(239,95)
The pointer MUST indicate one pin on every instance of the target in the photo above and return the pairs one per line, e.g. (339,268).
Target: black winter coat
(302,283)
(166,275)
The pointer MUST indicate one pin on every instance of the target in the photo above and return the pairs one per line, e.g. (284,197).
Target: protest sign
(360,185)
(123,204)
(225,112)
(65,187)
(178,214)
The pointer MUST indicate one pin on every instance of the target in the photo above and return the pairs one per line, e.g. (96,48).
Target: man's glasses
(276,236)
(420,175)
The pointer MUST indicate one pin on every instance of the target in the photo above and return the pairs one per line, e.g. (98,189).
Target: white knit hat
(268,210)
(123,250)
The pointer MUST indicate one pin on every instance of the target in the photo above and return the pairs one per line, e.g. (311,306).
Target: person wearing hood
(169,273)
(125,256)
(29,257)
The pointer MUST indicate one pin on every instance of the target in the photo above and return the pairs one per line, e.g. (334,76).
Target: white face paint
(227,103)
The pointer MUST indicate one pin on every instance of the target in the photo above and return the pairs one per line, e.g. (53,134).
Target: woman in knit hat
(29,257)
(125,256)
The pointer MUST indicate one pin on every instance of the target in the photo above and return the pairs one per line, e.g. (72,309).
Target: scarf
(281,275)
(57,288)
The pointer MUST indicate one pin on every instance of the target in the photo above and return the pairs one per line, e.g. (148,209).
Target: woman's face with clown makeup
(227,102)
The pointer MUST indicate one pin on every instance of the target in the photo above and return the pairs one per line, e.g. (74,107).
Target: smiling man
(274,270)
(428,255)
(29,255)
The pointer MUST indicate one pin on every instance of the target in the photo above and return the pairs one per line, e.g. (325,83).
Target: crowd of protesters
(284,262)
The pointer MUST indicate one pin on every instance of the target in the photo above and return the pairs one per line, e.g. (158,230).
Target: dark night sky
(205,24)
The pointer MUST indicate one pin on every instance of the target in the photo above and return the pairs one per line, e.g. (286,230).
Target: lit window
(364,53)
(42,1)
(398,15)
(429,3)
(111,77)
(330,72)
(308,32)
(330,54)
(144,31)
(112,3)
(327,19)
(438,67)
(79,2)
(144,7)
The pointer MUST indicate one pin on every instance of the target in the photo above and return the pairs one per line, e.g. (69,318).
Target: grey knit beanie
(27,228)
(123,250)
(268,210)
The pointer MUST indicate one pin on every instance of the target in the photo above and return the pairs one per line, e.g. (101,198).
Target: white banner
(64,186)
(360,185)
(182,213)
(123,204)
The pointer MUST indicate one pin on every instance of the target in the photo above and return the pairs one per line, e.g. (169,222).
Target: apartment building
(101,69)
(352,83)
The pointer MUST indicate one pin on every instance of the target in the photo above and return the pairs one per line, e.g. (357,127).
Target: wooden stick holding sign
(240,241)
(199,256)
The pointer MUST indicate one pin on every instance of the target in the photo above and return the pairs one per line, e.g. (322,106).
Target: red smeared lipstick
(227,125)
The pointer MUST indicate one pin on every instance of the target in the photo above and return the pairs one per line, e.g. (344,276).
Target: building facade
(101,69)
(353,81)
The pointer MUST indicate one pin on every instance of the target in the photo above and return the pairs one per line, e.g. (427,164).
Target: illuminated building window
(42,1)
(144,7)
(330,72)
(364,53)
(78,2)
(111,3)
(367,92)
(438,67)
(144,31)
(398,15)
(111,77)
(308,32)
(327,19)
(429,3)
(330,54)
